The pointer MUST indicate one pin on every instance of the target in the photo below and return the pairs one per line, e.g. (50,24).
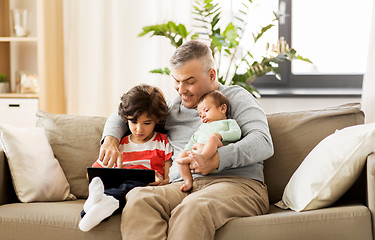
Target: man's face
(191,82)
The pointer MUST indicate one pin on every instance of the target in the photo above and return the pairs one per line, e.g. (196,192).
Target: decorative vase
(4,87)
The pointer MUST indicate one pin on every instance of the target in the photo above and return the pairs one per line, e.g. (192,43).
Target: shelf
(19,95)
(18,39)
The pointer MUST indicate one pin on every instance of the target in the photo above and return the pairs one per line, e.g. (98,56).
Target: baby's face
(209,112)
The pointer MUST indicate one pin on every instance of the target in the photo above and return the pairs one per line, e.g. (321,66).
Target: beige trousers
(164,212)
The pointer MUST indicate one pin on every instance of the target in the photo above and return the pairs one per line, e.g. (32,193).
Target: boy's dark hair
(218,97)
(144,99)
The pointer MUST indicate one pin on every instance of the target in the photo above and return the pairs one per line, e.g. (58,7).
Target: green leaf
(264,29)
(194,36)
(244,13)
(182,30)
(215,20)
(230,32)
(165,71)
(239,19)
(172,26)
(180,42)
(214,11)
(201,20)
(219,41)
(227,51)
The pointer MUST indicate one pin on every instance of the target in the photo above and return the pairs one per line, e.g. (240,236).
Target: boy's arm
(167,166)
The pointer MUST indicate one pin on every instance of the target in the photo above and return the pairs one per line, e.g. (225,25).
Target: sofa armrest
(371,187)
(7,194)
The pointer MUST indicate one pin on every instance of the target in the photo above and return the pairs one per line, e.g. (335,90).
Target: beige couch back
(295,134)
(75,142)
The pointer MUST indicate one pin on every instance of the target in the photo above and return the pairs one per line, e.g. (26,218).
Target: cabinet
(24,54)
(19,111)
(21,54)
(40,53)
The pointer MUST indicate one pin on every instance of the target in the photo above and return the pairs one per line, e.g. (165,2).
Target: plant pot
(4,87)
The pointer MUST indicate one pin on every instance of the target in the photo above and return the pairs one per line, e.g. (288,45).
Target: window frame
(313,84)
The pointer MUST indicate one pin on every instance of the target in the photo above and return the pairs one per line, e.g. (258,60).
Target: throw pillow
(36,174)
(329,169)
(295,134)
(75,141)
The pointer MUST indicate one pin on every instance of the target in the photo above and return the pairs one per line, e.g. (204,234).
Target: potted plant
(4,85)
(226,42)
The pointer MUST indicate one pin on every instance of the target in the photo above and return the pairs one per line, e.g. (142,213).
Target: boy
(145,110)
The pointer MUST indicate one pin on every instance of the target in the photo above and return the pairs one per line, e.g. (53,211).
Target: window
(334,35)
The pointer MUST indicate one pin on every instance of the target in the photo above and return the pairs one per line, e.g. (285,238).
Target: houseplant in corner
(236,64)
(4,85)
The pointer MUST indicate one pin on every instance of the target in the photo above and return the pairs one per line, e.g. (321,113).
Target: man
(235,189)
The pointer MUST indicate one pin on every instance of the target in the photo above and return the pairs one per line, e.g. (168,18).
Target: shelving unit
(24,54)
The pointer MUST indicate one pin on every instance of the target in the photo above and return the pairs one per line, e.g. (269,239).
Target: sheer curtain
(368,89)
(103,57)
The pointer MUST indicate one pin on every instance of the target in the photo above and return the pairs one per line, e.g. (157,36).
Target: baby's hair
(144,99)
(218,97)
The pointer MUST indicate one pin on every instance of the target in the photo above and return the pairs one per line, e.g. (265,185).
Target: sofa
(75,144)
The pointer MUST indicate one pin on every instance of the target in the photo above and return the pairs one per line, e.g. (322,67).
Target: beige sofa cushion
(75,141)
(295,134)
(36,174)
(52,221)
(344,222)
(330,169)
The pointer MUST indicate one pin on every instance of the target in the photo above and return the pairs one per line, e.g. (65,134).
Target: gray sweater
(243,158)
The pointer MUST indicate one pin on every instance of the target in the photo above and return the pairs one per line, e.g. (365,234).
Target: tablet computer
(114,177)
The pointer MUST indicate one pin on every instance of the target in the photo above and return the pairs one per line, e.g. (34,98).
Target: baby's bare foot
(186,186)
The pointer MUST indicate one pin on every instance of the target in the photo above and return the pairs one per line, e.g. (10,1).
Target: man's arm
(256,144)
(114,129)
(115,126)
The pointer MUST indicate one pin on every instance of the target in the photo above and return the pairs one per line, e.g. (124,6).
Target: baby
(215,129)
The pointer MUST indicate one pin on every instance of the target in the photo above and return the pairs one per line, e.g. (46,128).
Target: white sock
(98,212)
(96,191)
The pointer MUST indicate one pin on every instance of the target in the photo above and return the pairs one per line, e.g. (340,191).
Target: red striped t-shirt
(149,155)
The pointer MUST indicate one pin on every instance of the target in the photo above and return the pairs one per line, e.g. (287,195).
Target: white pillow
(36,174)
(330,169)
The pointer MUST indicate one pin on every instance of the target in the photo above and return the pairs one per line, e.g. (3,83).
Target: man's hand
(202,166)
(109,152)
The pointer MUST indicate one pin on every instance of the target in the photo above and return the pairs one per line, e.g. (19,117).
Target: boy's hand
(159,181)
(109,152)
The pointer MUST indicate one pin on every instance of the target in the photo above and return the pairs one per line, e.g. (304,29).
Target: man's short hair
(193,50)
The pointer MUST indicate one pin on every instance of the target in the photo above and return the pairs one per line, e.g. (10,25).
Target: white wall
(287,104)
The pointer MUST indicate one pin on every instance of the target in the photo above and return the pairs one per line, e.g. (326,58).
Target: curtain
(368,88)
(104,57)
